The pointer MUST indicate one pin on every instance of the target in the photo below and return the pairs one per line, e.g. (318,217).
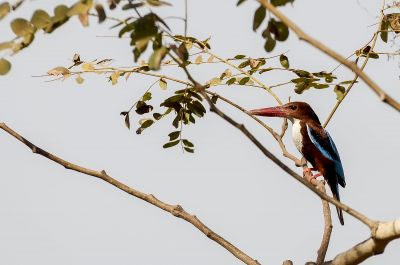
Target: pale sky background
(50,215)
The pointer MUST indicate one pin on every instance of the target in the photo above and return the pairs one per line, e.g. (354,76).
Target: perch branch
(327,227)
(201,89)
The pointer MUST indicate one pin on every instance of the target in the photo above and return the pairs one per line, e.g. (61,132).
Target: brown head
(293,110)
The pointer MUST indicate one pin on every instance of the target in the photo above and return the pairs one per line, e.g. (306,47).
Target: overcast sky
(50,215)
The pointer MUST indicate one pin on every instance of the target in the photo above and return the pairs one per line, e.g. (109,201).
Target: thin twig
(374,38)
(186,17)
(352,66)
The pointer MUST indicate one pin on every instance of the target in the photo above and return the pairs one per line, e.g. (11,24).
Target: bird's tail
(338,210)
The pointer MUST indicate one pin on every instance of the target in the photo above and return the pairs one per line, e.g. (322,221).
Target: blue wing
(329,150)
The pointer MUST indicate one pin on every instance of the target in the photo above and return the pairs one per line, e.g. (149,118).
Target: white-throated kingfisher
(313,142)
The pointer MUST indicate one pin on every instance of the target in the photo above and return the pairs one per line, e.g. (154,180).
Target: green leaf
(170,144)
(127,122)
(147,123)
(244,80)
(215,81)
(320,86)
(146,96)
(22,27)
(214,99)
(298,80)
(59,70)
(269,44)
(339,90)
(303,86)
(302,73)
(187,143)
(5,66)
(284,61)
(5,8)
(6,45)
(174,135)
(101,14)
(41,19)
(59,18)
(132,6)
(80,8)
(384,30)
(282,31)
(280,2)
(244,64)
(189,150)
(163,84)
(175,122)
(373,55)
(231,81)
(199,107)
(79,80)
(348,82)
(240,56)
(259,17)
(156,58)
(158,3)
(142,108)
(157,116)
(182,52)
(195,95)
(127,28)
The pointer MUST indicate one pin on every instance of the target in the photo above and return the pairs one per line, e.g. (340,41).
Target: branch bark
(320,46)
(375,245)
(175,210)
(327,227)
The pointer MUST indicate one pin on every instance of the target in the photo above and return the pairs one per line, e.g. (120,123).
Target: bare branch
(352,66)
(175,210)
(327,227)
(375,245)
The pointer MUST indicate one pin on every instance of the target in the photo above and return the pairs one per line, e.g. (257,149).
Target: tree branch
(356,76)
(375,245)
(175,210)
(201,89)
(352,66)
(327,227)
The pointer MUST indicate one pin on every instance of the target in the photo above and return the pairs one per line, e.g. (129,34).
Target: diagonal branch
(201,89)
(352,66)
(175,210)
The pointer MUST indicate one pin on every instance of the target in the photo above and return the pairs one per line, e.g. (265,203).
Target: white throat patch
(296,135)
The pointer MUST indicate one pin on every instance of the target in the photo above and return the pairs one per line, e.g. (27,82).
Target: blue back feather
(329,150)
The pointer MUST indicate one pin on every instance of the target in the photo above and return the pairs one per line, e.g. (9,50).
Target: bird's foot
(309,175)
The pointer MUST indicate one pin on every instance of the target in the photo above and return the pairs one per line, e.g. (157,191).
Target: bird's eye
(292,107)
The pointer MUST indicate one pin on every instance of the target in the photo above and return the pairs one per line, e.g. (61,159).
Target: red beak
(269,112)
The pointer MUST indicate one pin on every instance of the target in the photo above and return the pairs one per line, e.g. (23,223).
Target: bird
(313,142)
